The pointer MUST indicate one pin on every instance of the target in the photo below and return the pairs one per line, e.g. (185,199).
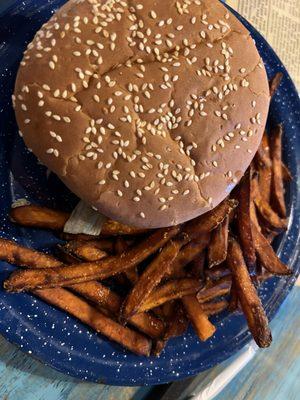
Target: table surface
(272,374)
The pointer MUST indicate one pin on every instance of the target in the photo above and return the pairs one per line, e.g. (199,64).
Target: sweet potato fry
(234,300)
(197,266)
(92,317)
(264,168)
(212,308)
(39,217)
(99,294)
(149,279)
(268,215)
(263,276)
(81,237)
(87,251)
(277,199)
(14,253)
(243,220)
(104,297)
(131,274)
(214,289)
(267,256)
(203,327)
(114,228)
(46,218)
(248,297)
(275,82)
(171,290)
(188,253)
(210,220)
(176,324)
(109,266)
(66,257)
(262,157)
(217,272)
(217,249)
(286,173)
(93,291)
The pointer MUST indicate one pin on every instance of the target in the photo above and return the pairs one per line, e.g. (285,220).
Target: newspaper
(279,22)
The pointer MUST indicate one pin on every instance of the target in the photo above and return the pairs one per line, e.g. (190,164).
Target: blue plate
(61,341)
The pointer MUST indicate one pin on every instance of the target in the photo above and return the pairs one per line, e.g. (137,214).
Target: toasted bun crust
(150,111)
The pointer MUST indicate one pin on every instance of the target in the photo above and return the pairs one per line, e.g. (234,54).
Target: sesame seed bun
(150,111)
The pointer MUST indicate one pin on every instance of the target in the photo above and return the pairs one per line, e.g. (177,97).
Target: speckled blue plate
(61,341)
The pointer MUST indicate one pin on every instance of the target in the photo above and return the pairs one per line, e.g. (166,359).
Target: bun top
(150,111)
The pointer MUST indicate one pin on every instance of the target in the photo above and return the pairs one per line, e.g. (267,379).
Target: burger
(149,111)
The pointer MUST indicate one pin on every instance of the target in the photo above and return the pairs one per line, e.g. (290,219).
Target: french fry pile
(161,280)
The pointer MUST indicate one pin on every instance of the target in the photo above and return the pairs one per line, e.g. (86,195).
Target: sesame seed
(102,182)
(142,215)
(136,199)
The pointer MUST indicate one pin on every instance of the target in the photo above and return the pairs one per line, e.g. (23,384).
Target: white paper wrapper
(84,220)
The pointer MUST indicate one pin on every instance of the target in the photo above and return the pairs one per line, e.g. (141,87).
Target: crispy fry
(171,290)
(212,308)
(248,297)
(277,200)
(188,253)
(214,289)
(65,256)
(234,300)
(150,278)
(268,215)
(263,276)
(92,317)
(275,82)
(46,218)
(196,267)
(93,291)
(87,251)
(177,324)
(262,157)
(158,347)
(217,249)
(131,274)
(104,297)
(264,168)
(24,257)
(243,220)
(39,217)
(114,228)
(210,220)
(217,272)
(99,294)
(68,275)
(81,237)
(120,245)
(286,173)
(203,327)
(267,256)
(106,245)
